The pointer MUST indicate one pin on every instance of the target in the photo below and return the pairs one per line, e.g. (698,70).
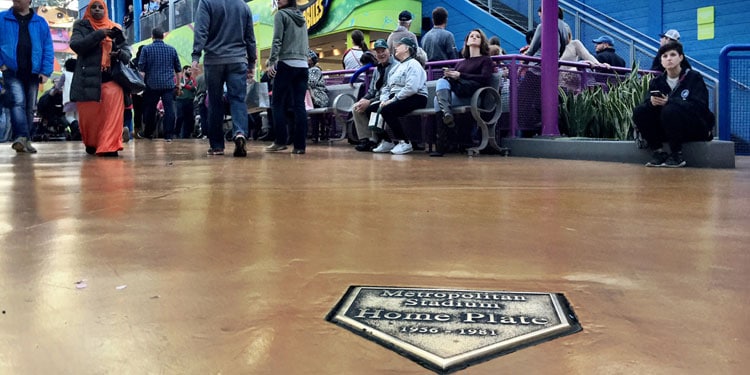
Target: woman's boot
(444,102)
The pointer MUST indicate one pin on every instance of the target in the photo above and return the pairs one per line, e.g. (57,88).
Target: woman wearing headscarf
(405,91)
(287,64)
(99,43)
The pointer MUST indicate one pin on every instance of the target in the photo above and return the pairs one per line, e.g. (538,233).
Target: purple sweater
(479,68)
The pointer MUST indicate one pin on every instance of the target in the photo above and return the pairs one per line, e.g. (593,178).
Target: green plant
(603,111)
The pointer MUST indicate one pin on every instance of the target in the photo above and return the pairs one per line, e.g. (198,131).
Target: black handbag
(129,79)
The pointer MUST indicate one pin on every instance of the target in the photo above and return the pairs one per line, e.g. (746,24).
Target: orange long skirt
(101,122)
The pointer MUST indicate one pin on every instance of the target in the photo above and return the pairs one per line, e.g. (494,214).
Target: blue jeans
(235,77)
(21,99)
(289,86)
(150,100)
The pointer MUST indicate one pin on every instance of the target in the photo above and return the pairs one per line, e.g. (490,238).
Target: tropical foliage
(605,110)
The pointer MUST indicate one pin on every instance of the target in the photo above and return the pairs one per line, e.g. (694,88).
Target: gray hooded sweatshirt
(289,37)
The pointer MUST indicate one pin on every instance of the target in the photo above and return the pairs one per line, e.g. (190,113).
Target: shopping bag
(308,101)
(376,122)
(257,96)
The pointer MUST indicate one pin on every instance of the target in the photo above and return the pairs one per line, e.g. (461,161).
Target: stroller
(51,124)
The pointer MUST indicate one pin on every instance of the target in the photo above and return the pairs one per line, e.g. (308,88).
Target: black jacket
(86,85)
(690,94)
(609,56)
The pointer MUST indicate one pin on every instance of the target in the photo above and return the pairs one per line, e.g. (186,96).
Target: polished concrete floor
(196,265)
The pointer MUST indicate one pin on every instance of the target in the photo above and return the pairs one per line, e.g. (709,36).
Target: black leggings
(393,111)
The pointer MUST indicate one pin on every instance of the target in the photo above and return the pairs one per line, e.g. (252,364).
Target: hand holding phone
(657,93)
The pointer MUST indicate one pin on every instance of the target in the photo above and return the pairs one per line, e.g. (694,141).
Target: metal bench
(341,98)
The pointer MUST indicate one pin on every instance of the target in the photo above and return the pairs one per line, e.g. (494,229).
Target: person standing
(224,35)
(605,52)
(351,58)
(402,31)
(158,64)
(26,59)
(287,65)
(185,121)
(439,43)
(99,43)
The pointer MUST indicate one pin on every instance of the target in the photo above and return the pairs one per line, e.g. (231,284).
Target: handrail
(724,78)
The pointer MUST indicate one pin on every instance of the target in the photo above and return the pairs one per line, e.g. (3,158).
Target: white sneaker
(402,148)
(383,147)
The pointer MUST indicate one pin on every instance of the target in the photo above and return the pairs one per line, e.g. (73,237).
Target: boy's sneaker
(674,161)
(22,144)
(239,146)
(658,159)
(401,148)
(384,147)
(125,134)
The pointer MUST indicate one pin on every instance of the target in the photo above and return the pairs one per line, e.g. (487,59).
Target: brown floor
(232,264)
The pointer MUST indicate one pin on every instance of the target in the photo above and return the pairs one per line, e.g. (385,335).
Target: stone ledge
(714,154)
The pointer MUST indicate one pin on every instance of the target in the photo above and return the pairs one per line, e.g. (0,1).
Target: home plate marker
(446,330)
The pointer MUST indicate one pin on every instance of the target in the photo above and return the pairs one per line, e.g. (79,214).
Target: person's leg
(393,111)
(16,101)
(236,92)
(215,89)
(150,100)
(443,101)
(167,100)
(647,120)
(188,121)
(681,126)
(298,108)
(282,97)
(31,89)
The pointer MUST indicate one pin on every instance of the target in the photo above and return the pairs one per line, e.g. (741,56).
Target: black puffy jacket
(86,85)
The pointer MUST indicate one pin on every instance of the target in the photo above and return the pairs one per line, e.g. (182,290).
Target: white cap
(671,34)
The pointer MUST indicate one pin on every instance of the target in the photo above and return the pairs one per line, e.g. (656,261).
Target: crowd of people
(108,115)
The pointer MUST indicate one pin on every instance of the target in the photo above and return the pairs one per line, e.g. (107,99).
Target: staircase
(504,13)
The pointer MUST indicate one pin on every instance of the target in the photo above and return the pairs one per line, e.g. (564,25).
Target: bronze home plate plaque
(446,330)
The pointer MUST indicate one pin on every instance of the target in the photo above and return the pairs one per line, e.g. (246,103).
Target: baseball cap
(404,16)
(671,34)
(409,42)
(604,39)
(380,43)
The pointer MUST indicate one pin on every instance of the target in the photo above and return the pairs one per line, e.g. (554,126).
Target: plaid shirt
(159,62)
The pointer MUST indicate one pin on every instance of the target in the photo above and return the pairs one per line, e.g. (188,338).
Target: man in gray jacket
(224,34)
(370,102)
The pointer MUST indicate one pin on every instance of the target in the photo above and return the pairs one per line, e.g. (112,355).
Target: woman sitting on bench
(459,84)
(405,91)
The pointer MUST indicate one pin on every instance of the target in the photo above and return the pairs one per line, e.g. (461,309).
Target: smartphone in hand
(657,93)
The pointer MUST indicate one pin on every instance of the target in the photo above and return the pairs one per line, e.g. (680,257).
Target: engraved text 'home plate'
(445,330)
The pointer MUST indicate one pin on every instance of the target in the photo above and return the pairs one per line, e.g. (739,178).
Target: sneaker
(239,146)
(274,147)
(22,144)
(674,161)
(401,148)
(125,135)
(298,151)
(91,150)
(658,159)
(215,151)
(365,146)
(384,147)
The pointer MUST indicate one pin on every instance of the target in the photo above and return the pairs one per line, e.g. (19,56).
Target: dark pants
(289,88)
(150,100)
(393,111)
(185,121)
(672,123)
(137,112)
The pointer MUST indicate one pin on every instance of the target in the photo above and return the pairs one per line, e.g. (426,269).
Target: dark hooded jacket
(690,94)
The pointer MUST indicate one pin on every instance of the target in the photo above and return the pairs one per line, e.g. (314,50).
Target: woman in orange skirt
(99,42)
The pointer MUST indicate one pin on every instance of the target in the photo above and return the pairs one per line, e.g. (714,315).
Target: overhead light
(336,52)
(318,48)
